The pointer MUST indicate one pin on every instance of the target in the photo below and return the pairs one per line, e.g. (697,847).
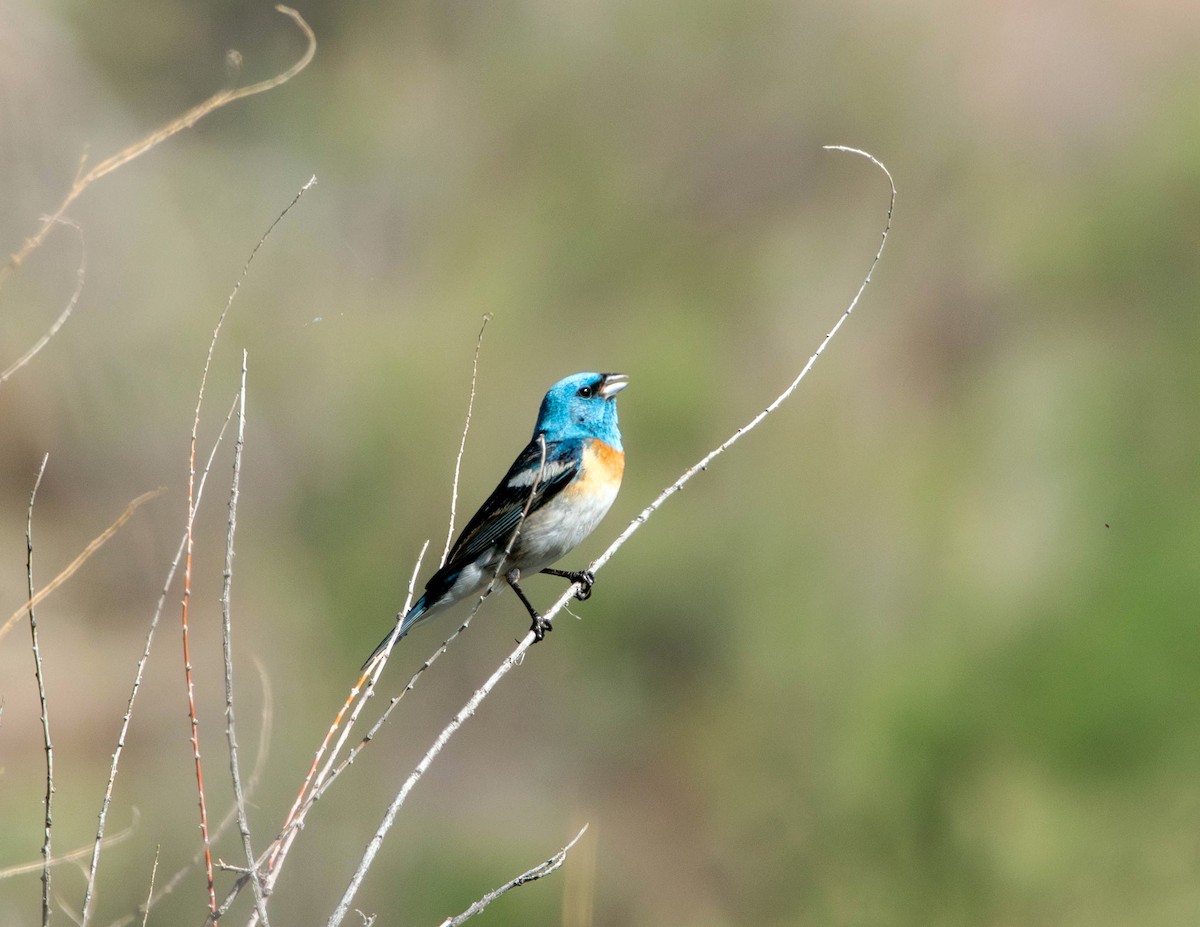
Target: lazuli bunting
(572,489)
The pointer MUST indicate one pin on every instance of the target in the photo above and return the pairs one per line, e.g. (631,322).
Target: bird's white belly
(558,527)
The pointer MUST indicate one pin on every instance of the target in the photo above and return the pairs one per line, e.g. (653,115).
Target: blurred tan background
(922,650)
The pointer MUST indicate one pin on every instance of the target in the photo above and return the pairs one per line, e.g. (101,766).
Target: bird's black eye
(586,392)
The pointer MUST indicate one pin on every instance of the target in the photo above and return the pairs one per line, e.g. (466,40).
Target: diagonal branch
(71,856)
(69,570)
(58,323)
(540,871)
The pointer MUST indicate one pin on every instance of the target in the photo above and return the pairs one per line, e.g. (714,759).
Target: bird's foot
(540,627)
(585,578)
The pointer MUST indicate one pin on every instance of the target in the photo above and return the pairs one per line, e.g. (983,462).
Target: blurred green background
(921,650)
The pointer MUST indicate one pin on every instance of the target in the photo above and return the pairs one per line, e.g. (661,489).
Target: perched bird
(564,481)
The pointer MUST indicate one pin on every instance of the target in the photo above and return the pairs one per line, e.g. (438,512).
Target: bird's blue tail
(411,617)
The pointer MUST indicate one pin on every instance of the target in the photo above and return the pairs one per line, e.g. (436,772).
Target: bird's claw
(540,627)
(586,580)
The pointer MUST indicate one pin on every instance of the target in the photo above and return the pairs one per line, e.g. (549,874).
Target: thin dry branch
(185,121)
(150,890)
(418,772)
(193,717)
(462,444)
(227,650)
(517,655)
(41,687)
(540,871)
(79,561)
(58,323)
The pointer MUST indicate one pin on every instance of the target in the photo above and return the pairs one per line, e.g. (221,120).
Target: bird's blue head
(582,406)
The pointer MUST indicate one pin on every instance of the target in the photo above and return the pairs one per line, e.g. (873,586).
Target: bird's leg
(540,627)
(585,578)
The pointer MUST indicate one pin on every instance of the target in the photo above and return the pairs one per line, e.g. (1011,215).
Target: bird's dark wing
(500,514)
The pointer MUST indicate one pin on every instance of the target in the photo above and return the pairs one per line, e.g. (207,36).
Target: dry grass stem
(73,856)
(69,570)
(186,121)
(58,323)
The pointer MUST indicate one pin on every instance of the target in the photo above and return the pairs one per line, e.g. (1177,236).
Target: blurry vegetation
(920,651)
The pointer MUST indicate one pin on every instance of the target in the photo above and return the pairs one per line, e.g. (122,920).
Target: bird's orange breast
(603,467)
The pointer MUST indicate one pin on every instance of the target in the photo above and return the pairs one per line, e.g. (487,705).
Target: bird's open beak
(612,384)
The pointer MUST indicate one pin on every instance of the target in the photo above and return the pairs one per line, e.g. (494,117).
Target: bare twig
(579,889)
(537,872)
(185,121)
(227,638)
(193,718)
(150,891)
(469,709)
(462,445)
(63,316)
(69,570)
(350,757)
(89,892)
(41,686)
